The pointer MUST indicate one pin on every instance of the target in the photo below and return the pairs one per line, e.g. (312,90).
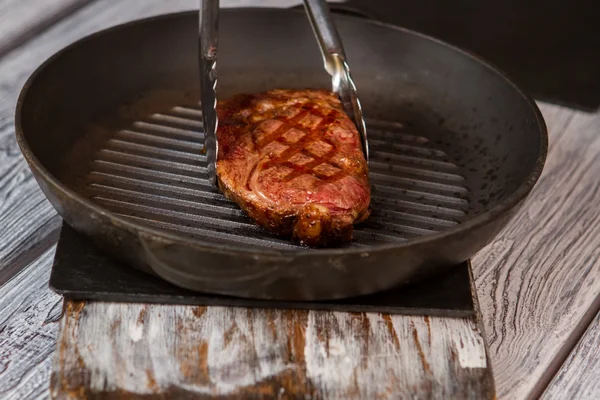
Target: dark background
(551,48)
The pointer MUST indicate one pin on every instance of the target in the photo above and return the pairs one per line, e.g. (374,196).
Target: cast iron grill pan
(111,129)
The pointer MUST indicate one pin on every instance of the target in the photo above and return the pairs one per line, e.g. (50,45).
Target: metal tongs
(333,57)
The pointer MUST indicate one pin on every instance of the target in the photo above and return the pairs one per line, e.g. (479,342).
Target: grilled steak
(292,160)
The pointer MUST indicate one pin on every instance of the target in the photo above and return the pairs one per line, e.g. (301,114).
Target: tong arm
(335,64)
(208,26)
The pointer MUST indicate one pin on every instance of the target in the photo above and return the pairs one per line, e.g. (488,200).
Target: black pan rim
(497,211)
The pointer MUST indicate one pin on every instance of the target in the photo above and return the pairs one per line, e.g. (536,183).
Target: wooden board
(108,349)
(29,315)
(579,376)
(538,282)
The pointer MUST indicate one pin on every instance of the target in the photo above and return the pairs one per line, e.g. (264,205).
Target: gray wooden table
(537,283)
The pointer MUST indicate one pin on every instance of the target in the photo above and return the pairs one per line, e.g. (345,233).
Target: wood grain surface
(108,349)
(537,283)
(23,19)
(579,376)
(29,315)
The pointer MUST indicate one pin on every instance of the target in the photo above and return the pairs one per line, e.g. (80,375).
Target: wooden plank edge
(579,377)
(568,347)
(29,316)
(479,323)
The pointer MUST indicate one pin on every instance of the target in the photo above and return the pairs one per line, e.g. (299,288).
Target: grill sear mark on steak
(292,160)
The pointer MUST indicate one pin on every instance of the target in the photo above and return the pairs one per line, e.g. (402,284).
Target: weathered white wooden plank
(538,282)
(21,19)
(177,351)
(29,314)
(579,376)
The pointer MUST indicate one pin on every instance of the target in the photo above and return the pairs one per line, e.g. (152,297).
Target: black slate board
(82,272)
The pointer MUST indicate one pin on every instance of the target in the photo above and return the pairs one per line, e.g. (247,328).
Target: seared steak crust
(292,160)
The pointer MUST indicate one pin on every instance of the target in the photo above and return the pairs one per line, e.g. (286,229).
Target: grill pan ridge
(446,176)
(154,173)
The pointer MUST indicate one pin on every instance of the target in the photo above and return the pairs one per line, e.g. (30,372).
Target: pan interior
(116,118)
